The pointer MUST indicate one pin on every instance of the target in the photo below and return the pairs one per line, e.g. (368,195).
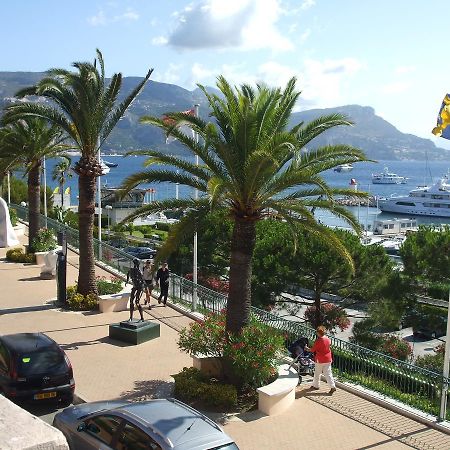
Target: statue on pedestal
(8,236)
(137,280)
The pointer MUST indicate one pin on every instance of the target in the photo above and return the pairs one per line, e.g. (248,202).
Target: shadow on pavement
(149,389)
(103,340)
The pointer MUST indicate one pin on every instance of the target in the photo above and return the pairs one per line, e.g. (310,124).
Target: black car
(140,252)
(34,367)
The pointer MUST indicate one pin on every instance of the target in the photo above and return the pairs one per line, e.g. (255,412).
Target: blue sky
(390,55)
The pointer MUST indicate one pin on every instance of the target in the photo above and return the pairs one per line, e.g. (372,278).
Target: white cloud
(102,19)
(396,87)
(324,83)
(171,75)
(305,35)
(402,70)
(159,40)
(307,4)
(243,24)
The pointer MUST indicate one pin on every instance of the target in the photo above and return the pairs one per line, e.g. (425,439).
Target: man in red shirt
(323,359)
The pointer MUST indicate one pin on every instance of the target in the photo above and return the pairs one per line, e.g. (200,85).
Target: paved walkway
(108,369)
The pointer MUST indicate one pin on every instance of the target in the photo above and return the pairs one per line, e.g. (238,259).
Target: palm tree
(61,173)
(86,108)
(28,141)
(254,166)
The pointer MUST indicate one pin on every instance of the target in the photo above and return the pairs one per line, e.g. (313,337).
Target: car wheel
(66,400)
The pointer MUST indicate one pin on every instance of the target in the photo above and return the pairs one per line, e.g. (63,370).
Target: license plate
(45,395)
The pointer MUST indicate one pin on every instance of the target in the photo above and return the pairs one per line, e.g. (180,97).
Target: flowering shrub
(331,317)
(212,283)
(396,347)
(44,241)
(252,354)
(435,363)
(80,302)
(106,286)
(17,255)
(13,216)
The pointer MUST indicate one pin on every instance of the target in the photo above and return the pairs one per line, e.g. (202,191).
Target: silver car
(155,424)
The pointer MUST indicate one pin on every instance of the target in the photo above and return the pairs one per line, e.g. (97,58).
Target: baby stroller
(303,361)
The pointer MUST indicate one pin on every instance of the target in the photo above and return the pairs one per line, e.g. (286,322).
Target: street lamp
(109,208)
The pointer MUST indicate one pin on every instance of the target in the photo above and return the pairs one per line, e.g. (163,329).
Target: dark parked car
(140,252)
(34,367)
(430,327)
(156,424)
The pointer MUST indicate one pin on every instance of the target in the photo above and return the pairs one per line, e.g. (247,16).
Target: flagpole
(194,272)
(177,185)
(44,172)
(9,187)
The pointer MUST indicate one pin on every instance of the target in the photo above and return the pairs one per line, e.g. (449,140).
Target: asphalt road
(45,411)
(421,346)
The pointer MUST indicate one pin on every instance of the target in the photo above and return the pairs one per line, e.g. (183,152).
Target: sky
(387,54)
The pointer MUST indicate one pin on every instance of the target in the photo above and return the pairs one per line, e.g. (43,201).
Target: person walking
(148,279)
(162,276)
(323,359)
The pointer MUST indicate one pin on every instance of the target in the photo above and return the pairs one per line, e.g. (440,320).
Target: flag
(67,191)
(56,190)
(443,120)
(169,121)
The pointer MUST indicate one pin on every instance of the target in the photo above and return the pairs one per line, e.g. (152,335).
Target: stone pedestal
(134,332)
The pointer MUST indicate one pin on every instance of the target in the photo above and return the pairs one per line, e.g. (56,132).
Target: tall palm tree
(85,106)
(61,173)
(254,166)
(28,141)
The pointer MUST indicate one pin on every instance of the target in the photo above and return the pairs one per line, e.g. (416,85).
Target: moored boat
(387,177)
(423,201)
(343,168)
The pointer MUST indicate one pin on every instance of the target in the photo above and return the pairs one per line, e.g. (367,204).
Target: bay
(418,173)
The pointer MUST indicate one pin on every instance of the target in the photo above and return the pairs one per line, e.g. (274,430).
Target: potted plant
(44,242)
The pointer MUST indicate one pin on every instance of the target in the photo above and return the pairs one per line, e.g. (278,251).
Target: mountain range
(379,139)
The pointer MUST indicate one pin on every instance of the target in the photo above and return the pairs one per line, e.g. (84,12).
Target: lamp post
(108,208)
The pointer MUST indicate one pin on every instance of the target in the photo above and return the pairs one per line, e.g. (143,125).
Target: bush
(191,384)
(438,290)
(331,317)
(108,287)
(435,363)
(395,347)
(13,216)
(44,241)
(162,226)
(17,255)
(364,336)
(252,354)
(79,302)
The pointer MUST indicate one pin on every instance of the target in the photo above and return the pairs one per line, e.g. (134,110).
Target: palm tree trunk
(86,211)
(61,186)
(34,202)
(239,296)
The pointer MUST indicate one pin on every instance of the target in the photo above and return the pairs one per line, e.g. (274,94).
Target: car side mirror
(82,426)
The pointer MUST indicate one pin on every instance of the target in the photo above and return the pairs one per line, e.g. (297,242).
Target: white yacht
(343,168)
(105,168)
(423,201)
(387,177)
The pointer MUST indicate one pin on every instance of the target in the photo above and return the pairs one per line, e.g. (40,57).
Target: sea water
(417,172)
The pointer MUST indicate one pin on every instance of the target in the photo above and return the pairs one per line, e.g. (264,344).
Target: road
(45,411)
(420,346)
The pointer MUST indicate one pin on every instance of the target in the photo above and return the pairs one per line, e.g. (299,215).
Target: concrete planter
(115,302)
(208,365)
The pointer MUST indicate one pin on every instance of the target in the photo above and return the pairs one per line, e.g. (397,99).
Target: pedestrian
(323,359)
(148,279)
(163,277)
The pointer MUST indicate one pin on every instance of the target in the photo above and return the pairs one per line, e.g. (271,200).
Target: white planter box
(115,302)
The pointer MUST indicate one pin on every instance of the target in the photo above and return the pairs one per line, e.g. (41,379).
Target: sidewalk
(108,369)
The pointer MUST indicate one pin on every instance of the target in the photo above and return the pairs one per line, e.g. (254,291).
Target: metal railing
(410,384)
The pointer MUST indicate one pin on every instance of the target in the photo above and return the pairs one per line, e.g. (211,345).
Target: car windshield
(40,362)
(231,446)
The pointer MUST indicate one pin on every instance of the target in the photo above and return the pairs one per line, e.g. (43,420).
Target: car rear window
(231,446)
(40,362)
